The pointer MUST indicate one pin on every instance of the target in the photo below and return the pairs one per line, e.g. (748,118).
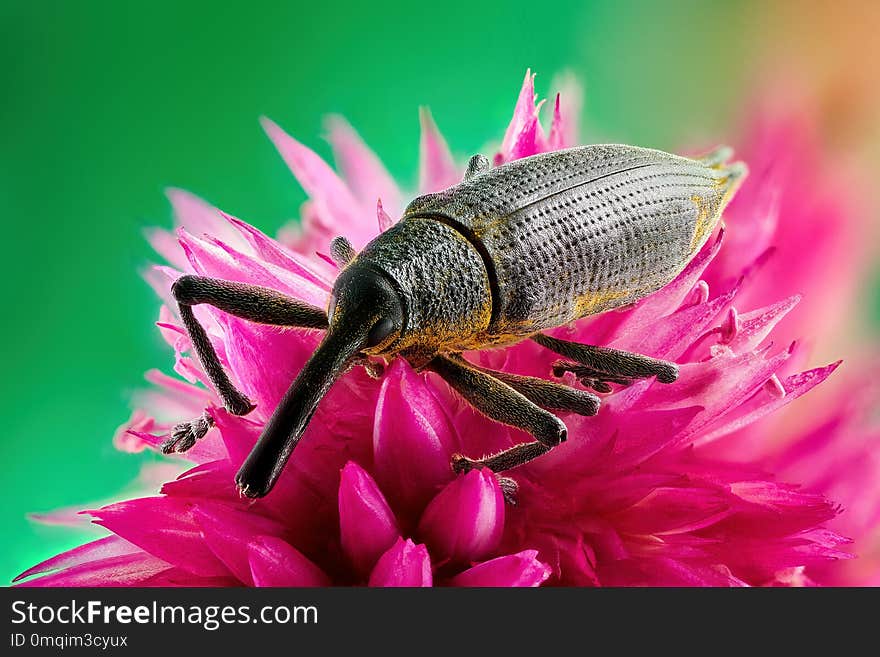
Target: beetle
(499,258)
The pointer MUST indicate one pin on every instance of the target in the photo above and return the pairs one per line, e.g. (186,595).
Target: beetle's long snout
(264,464)
(365,314)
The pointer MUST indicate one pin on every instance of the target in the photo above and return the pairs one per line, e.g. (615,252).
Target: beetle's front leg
(257,304)
(596,367)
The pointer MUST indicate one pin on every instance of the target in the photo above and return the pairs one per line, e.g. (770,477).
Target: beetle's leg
(257,304)
(476,165)
(604,365)
(504,460)
(500,402)
(548,395)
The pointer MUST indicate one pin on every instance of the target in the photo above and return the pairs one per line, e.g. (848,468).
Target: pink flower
(639,495)
(813,239)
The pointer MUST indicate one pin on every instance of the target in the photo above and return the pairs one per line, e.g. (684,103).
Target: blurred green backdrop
(106,104)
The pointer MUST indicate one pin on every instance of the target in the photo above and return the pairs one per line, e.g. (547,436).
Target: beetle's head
(366,307)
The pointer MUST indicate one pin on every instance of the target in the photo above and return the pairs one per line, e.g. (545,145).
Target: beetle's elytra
(504,255)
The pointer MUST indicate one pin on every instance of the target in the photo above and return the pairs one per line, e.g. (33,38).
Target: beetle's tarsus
(238,404)
(185,435)
(590,378)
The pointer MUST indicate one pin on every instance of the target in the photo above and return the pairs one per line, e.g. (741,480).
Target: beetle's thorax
(442,283)
(577,232)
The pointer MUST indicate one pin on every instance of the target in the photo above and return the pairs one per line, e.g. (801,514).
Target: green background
(106,104)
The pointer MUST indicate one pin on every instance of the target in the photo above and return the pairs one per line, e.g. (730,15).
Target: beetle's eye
(380,332)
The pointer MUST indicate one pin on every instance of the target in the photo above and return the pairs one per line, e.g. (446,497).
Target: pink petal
(767,509)
(310,235)
(273,252)
(228,531)
(160,278)
(214,480)
(556,127)
(659,571)
(126,438)
(413,439)
(524,135)
(464,522)
(405,564)
(165,244)
(179,388)
(718,385)
(103,548)
(564,130)
(521,569)
(201,218)
(212,257)
(164,527)
(366,176)
(523,113)
(437,169)
(385,222)
(764,403)
(756,325)
(180,577)
(632,437)
(334,203)
(673,334)
(239,434)
(274,562)
(366,522)
(132,569)
(674,510)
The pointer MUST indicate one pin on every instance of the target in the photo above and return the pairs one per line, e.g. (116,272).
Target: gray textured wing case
(575,232)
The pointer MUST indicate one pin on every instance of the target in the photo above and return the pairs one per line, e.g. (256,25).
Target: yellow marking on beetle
(447,334)
(591,303)
(705,220)
(709,210)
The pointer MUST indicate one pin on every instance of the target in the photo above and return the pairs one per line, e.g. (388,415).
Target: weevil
(504,256)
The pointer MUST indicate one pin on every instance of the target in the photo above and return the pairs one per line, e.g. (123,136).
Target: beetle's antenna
(264,464)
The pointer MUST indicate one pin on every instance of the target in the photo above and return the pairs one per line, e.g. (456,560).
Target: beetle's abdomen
(576,232)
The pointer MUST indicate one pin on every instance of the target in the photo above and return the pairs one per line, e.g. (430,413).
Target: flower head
(637,496)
